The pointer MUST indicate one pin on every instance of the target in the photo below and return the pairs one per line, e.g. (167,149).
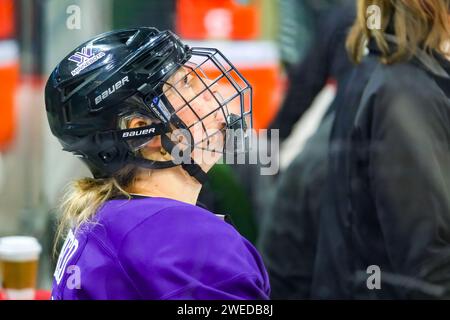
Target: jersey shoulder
(116,218)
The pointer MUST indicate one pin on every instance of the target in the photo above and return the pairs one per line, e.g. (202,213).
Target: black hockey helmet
(86,96)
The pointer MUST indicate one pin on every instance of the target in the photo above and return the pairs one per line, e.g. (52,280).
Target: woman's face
(199,108)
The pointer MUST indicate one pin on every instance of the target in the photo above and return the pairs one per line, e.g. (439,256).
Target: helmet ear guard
(106,151)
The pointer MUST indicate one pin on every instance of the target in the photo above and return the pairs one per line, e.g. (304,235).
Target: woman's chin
(206,159)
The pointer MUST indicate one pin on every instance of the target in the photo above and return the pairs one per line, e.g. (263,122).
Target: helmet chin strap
(192,167)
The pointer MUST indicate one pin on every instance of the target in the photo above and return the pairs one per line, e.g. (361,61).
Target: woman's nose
(219,116)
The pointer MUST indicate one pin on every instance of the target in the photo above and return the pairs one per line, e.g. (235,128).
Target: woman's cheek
(197,132)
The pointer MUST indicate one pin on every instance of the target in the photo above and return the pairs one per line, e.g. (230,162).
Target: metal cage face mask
(208,97)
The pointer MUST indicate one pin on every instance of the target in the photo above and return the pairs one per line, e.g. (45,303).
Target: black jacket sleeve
(288,236)
(408,134)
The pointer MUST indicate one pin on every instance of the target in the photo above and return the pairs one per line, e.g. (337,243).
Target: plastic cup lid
(19,248)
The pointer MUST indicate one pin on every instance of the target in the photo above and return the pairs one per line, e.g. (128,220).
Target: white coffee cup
(19,256)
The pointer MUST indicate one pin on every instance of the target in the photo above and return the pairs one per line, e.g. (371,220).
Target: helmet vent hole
(66,113)
(152,64)
(71,87)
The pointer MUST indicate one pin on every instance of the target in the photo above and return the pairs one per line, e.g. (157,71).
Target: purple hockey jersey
(158,248)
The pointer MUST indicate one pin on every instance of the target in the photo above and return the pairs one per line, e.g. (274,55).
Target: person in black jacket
(383,227)
(399,163)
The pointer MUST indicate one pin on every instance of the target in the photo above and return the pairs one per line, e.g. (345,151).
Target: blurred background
(266,39)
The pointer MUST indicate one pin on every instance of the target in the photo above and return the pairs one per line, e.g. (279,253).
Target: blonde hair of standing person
(416,23)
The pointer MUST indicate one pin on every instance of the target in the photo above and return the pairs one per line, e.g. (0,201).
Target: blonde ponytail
(85,196)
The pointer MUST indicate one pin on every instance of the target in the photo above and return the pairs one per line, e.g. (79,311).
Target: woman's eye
(186,80)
